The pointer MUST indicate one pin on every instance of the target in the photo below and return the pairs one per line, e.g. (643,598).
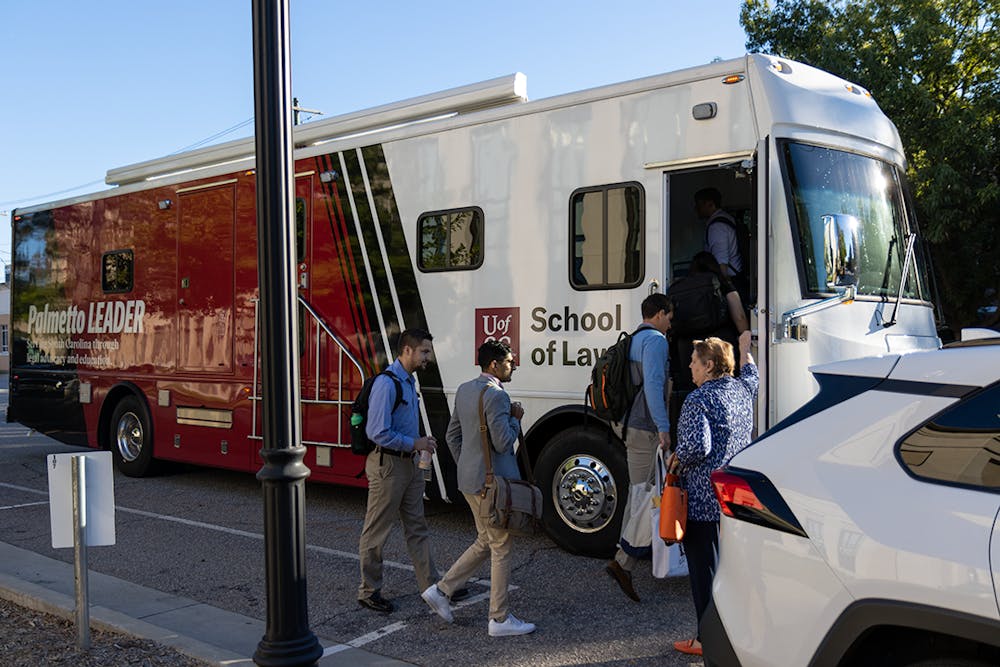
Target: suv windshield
(825,181)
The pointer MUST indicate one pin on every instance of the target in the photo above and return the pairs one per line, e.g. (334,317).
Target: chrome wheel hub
(129,436)
(584,493)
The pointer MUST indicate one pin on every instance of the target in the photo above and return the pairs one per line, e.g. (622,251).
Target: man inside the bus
(721,237)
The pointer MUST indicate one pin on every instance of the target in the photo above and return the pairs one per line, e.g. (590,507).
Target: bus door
(685,235)
(322,419)
(761,317)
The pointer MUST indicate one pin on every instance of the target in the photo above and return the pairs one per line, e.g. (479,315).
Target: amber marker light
(733,78)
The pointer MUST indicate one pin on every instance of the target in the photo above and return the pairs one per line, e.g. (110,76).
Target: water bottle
(425,464)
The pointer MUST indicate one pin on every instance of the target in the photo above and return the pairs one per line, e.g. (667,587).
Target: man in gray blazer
(503,421)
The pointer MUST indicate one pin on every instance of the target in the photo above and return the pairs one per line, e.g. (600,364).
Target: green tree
(934,68)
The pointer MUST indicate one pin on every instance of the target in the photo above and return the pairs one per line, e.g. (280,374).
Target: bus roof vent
(511,89)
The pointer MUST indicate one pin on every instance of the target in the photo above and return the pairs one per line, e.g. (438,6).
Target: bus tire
(130,436)
(583,476)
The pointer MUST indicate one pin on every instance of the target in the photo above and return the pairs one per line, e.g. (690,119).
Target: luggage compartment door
(205,281)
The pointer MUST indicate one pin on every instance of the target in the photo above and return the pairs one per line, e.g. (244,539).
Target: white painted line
(330,650)
(14,507)
(350,555)
(365,639)
(223,529)
(353,556)
(24,488)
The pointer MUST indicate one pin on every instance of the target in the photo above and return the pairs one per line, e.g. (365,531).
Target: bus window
(116,271)
(606,236)
(451,240)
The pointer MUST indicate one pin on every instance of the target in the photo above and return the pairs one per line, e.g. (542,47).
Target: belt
(394,452)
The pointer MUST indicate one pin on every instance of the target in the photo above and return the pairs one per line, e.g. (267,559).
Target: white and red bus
(472,213)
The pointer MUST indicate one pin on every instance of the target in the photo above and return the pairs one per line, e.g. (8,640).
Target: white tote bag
(637,534)
(668,560)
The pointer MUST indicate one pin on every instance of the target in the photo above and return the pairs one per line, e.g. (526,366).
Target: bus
(475,214)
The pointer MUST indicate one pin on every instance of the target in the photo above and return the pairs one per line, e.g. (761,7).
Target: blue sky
(89,86)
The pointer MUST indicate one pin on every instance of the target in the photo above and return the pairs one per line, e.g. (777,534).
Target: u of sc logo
(502,324)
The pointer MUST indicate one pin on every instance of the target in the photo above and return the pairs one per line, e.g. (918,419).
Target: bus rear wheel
(583,475)
(131,438)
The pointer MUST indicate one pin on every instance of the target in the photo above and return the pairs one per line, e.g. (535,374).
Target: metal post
(287,640)
(78,467)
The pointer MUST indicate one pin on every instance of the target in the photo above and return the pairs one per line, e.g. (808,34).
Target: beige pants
(494,543)
(395,490)
(639,447)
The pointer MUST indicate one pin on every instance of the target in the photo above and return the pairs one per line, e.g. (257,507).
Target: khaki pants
(395,490)
(639,446)
(490,542)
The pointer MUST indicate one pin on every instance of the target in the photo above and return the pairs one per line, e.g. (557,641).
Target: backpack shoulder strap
(724,219)
(399,389)
(484,434)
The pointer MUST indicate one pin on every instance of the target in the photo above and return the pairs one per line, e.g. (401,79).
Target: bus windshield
(826,181)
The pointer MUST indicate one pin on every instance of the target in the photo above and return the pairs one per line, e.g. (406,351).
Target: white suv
(864,529)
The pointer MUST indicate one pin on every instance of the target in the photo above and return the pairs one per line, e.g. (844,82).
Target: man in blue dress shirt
(395,485)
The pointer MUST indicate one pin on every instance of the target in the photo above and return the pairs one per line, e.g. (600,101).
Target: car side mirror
(841,249)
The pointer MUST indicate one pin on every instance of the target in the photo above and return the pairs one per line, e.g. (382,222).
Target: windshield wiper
(910,239)
(888,269)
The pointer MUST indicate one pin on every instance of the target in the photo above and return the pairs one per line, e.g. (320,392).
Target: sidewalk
(197,630)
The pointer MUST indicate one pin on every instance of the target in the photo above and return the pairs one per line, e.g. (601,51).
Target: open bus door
(768,176)
(328,374)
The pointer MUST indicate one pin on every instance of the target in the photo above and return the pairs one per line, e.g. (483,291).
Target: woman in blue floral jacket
(716,422)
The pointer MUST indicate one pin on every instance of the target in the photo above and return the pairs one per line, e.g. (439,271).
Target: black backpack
(360,444)
(612,389)
(699,305)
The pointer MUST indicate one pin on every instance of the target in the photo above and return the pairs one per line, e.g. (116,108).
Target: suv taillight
(749,496)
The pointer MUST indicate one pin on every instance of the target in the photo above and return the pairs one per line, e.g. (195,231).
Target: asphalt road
(198,533)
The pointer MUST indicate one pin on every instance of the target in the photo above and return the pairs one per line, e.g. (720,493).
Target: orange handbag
(673,510)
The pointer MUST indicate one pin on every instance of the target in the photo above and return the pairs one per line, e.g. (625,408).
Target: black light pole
(287,639)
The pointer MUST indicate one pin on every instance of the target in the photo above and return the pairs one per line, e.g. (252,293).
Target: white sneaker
(511,627)
(437,601)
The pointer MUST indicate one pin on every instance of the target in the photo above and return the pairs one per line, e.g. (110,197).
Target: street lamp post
(287,639)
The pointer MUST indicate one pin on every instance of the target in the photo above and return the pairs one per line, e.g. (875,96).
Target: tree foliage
(934,68)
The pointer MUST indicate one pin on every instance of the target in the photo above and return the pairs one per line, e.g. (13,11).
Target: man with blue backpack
(646,423)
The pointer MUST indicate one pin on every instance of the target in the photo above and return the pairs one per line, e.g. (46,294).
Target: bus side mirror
(842,250)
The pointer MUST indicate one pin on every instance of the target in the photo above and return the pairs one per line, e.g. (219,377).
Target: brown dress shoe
(376,603)
(624,578)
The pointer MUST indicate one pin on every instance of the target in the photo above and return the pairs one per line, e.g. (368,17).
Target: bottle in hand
(425,464)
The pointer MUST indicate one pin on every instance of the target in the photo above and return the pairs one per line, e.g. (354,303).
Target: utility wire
(51,195)
(217,135)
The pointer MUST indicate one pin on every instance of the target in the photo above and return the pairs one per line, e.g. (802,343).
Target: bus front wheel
(131,438)
(583,475)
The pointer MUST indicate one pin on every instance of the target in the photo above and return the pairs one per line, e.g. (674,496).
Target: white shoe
(511,627)
(437,601)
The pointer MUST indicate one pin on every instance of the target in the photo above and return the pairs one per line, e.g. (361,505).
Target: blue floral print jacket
(716,422)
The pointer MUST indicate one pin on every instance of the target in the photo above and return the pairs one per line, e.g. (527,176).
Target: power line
(51,195)
(217,135)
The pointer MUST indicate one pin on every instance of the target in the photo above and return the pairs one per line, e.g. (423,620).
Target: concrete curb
(209,634)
